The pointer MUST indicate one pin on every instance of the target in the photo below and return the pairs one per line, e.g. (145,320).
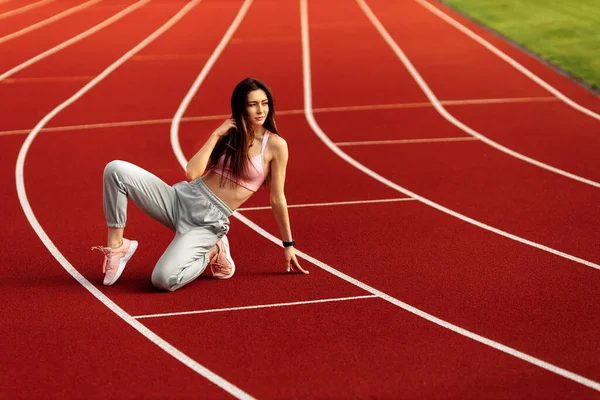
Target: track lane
(24,20)
(488,285)
(19,8)
(547,77)
(355,349)
(149,74)
(551,133)
(86,157)
(23,48)
(461,51)
(544,141)
(274,251)
(348,54)
(460,57)
(479,182)
(55,86)
(92,50)
(390,161)
(521,198)
(8,5)
(183,161)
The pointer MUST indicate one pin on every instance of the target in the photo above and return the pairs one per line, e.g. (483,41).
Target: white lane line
(306,66)
(449,117)
(374,107)
(428,104)
(25,8)
(104,125)
(512,62)
(47,21)
(21,191)
(74,39)
(498,101)
(45,79)
(295,303)
(170,57)
(406,141)
(336,203)
(15,132)
(200,78)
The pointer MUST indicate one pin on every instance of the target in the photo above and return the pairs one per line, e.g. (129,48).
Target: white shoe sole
(132,248)
(228,256)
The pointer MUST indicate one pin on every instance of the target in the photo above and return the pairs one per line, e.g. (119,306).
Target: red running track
(62,342)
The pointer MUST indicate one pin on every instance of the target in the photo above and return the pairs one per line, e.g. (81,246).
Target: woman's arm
(279,203)
(197,165)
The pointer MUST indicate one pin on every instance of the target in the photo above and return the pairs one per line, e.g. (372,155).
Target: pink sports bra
(256,169)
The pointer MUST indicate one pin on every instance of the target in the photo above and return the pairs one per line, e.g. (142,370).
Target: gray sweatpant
(191,209)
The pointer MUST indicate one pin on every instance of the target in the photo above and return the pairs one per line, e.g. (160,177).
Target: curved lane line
(25,8)
(74,39)
(196,85)
(332,146)
(508,59)
(150,335)
(449,117)
(308,111)
(47,21)
(312,122)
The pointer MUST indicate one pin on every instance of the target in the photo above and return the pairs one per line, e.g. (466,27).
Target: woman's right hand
(223,130)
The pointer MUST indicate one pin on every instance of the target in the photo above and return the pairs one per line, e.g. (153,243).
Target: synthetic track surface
(62,342)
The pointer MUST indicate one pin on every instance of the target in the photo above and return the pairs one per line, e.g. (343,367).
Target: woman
(244,153)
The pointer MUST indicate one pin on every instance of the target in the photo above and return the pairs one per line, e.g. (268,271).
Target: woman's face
(257,107)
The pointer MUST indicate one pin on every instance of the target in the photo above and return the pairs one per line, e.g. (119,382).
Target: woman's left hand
(292,262)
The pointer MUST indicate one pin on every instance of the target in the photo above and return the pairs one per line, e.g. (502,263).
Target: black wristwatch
(288,244)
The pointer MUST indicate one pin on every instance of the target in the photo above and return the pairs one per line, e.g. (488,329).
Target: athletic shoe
(222,265)
(115,260)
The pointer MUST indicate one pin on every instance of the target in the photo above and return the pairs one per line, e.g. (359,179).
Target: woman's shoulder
(276,142)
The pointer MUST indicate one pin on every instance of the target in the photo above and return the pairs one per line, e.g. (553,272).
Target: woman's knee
(163,280)
(114,167)
(167,277)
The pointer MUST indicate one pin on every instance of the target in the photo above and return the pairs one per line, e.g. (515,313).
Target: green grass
(564,32)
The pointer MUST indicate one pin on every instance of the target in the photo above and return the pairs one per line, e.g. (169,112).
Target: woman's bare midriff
(234,196)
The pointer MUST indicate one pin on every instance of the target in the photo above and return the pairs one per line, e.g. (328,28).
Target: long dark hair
(236,143)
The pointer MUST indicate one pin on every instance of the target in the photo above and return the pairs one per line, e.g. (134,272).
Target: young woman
(241,155)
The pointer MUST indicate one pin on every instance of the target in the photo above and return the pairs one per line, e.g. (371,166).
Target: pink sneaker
(222,265)
(115,260)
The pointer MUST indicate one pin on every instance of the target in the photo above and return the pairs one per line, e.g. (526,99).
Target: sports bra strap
(264,141)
